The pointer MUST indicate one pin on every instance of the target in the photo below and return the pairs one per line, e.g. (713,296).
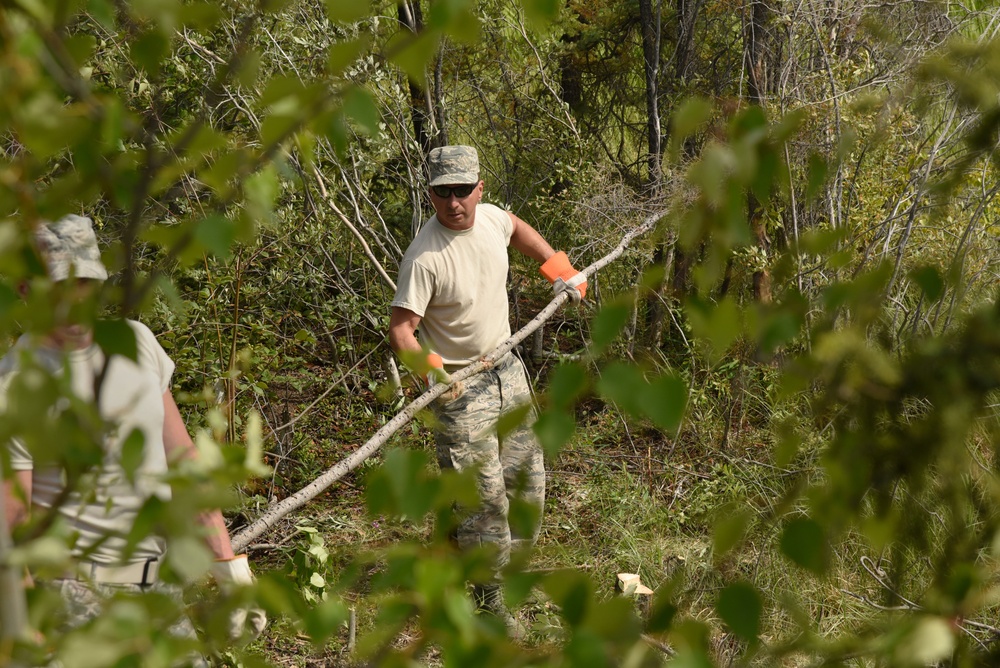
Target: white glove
(570,287)
(564,277)
(436,374)
(244,623)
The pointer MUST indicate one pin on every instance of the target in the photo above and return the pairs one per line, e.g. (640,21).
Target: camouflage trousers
(510,466)
(85,602)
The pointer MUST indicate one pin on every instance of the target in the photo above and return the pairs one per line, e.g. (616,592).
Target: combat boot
(488,599)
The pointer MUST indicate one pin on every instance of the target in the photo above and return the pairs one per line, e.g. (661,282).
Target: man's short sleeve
(152,356)
(414,287)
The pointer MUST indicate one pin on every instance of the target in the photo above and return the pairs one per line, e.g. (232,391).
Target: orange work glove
(564,278)
(436,373)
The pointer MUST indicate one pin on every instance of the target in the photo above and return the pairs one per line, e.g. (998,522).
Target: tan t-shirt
(100,514)
(456,281)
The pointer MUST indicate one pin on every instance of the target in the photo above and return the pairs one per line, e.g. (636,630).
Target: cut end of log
(631,585)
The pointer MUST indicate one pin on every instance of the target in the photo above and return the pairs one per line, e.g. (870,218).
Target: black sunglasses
(461,191)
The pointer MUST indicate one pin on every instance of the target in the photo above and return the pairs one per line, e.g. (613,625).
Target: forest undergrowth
(622,496)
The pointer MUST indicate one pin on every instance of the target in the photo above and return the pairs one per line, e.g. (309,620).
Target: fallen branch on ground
(291,503)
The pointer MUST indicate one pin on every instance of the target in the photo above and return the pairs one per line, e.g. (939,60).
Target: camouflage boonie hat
(452,165)
(69,246)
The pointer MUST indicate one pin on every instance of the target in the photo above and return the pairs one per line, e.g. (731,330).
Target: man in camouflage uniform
(452,285)
(133,398)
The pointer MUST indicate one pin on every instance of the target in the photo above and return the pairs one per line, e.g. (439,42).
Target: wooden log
(629,584)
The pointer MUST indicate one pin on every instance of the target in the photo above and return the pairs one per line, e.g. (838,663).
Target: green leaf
(359,106)
(189,558)
(586,648)
(456,18)
(663,401)
(279,88)
(104,12)
(222,169)
(718,324)
(412,54)
(201,16)
(337,131)
(816,174)
(325,619)
(740,608)
(609,322)
(402,486)
(148,51)
(261,191)
(115,337)
(278,128)
(776,328)
(554,428)
(513,419)
(518,584)
(572,591)
(566,384)
(80,47)
(767,177)
(215,234)
(342,54)
(750,121)
(929,642)
(540,13)
(9,299)
(729,529)
(692,114)
(804,542)
(661,614)
(249,69)
(930,281)
(253,461)
(622,384)
(133,453)
(523,516)
(113,125)
(347,11)
(46,126)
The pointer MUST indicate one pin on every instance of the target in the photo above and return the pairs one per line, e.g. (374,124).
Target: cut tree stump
(629,584)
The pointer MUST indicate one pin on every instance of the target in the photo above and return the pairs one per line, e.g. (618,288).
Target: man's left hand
(244,623)
(564,277)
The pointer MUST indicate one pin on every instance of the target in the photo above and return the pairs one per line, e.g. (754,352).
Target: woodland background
(778,407)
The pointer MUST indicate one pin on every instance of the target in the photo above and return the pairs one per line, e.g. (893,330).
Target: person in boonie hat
(69,248)
(452,285)
(133,397)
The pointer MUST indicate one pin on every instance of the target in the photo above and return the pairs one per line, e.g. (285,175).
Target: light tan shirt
(99,513)
(456,281)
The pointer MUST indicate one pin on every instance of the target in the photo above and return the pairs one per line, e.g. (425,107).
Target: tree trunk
(651,60)
(762,57)
(678,264)
(421,111)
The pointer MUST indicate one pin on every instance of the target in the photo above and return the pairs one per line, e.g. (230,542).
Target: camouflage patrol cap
(69,247)
(452,165)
